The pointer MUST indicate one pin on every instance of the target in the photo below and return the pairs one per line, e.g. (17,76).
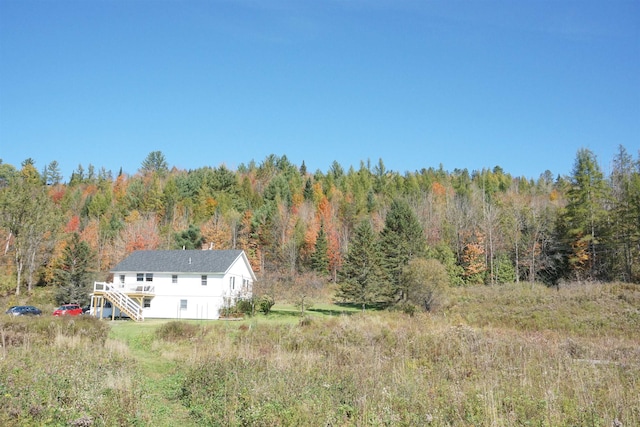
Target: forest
(360,230)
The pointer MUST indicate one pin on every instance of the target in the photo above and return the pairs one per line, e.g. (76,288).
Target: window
(232,283)
(122,278)
(147,303)
(204,280)
(140,277)
(183,304)
(174,278)
(149,277)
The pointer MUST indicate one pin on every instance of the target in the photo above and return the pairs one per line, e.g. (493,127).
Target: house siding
(202,301)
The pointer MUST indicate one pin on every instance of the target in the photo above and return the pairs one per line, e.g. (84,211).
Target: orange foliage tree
(140,232)
(474,259)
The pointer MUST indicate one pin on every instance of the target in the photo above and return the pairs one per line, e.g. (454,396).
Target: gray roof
(179,261)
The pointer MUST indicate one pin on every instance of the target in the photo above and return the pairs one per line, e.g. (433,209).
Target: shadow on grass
(284,313)
(331,310)
(356,308)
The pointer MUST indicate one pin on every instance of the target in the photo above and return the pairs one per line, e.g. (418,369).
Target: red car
(68,310)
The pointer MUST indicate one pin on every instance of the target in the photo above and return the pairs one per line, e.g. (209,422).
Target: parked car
(68,310)
(24,310)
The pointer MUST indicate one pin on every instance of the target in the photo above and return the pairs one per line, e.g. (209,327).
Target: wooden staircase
(119,299)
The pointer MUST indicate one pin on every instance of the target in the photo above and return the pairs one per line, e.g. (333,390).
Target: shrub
(245,306)
(425,280)
(177,331)
(265,304)
(305,321)
(505,271)
(406,308)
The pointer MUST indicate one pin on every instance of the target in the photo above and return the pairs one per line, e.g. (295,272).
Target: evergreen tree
(584,214)
(51,174)
(308,190)
(74,275)
(320,255)
(402,239)
(155,162)
(189,238)
(77,176)
(362,279)
(278,188)
(622,253)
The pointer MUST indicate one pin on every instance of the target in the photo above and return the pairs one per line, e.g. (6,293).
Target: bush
(265,304)
(425,281)
(505,272)
(406,308)
(177,331)
(245,306)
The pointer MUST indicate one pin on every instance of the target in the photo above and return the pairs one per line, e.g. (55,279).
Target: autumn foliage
(581,226)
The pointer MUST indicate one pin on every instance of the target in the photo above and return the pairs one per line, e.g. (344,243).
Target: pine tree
(584,213)
(622,253)
(308,190)
(320,255)
(190,238)
(362,279)
(402,239)
(51,174)
(155,162)
(74,275)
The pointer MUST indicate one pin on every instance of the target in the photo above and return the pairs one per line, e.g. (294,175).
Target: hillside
(484,227)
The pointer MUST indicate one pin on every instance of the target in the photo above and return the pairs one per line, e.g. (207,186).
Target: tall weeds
(59,372)
(388,369)
(503,356)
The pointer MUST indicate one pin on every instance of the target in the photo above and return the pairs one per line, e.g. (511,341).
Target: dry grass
(503,356)
(388,369)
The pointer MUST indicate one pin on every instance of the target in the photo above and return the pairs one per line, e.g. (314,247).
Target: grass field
(490,356)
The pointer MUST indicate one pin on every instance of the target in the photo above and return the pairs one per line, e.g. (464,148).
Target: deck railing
(124,287)
(118,297)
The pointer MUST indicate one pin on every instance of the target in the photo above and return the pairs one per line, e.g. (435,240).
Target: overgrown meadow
(489,356)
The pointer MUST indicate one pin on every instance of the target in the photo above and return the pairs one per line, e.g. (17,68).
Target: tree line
(376,233)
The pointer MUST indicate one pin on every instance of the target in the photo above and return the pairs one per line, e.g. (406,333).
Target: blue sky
(466,84)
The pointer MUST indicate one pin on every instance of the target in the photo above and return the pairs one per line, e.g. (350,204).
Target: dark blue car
(24,310)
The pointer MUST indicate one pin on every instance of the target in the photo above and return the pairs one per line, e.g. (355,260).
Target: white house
(176,284)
